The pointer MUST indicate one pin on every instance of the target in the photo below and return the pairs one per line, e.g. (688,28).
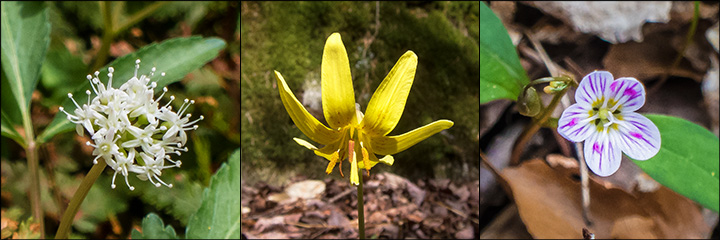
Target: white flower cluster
(131,132)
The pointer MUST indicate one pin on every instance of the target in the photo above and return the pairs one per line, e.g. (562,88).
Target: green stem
(77,199)
(142,14)
(361,208)
(35,185)
(108,34)
(531,129)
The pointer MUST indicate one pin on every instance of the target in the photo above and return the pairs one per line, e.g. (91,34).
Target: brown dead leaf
(433,222)
(465,233)
(267,223)
(649,59)
(461,192)
(550,205)
(416,216)
(377,217)
(338,219)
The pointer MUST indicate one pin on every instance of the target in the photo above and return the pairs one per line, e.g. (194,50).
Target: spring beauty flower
(131,131)
(353,134)
(604,117)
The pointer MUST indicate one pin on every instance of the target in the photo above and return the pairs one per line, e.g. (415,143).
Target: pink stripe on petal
(640,138)
(571,125)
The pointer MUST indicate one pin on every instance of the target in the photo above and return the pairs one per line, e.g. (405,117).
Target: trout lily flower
(604,117)
(352,134)
(130,133)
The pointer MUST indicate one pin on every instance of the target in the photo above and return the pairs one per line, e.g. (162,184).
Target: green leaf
(181,201)
(501,75)
(25,39)
(176,57)
(154,228)
(687,161)
(9,131)
(219,213)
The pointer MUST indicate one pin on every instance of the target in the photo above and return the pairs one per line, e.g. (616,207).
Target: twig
(346,192)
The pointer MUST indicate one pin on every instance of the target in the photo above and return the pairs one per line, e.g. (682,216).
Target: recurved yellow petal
(338,96)
(387,104)
(310,126)
(388,145)
(304,143)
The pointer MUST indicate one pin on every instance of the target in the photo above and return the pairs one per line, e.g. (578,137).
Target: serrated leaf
(687,161)
(154,228)
(176,57)
(25,38)
(501,75)
(9,131)
(219,213)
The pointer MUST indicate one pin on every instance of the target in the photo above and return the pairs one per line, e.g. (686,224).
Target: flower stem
(107,37)
(77,199)
(33,166)
(531,129)
(361,209)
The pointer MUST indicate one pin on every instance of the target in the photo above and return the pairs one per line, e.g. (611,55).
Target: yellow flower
(351,133)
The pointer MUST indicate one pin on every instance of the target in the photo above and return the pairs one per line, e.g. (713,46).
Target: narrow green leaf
(219,213)
(687,161)
(154,228)
(25,39)
(176,57)
(501,75)
(9,131)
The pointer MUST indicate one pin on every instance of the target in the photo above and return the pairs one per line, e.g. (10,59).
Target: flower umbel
(604,117)
(353,134)
(129,130)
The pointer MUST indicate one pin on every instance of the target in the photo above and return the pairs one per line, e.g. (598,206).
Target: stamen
(71,97)
(137,66)
(110,75)
(112,185)
(366,158)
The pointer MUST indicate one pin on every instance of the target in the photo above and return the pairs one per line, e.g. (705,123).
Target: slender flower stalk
(604,117)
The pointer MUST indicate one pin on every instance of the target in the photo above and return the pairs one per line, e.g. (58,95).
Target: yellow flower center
(603,113)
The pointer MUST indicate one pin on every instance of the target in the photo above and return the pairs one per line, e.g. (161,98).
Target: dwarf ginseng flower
(131,131)
(604,117)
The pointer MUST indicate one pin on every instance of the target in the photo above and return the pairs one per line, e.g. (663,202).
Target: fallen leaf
(649,59)
(266,223)
(550,205)
(465,233)
(307,189)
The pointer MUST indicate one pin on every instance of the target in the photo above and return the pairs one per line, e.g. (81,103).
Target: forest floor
(395,208)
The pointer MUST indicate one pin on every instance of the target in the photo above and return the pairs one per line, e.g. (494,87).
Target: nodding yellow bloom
(352,134)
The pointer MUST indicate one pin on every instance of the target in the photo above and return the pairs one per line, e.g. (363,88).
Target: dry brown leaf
(465,233)
(550,205)
(266,223)
(649,59)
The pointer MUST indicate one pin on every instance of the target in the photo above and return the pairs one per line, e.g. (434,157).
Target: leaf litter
(395,207)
